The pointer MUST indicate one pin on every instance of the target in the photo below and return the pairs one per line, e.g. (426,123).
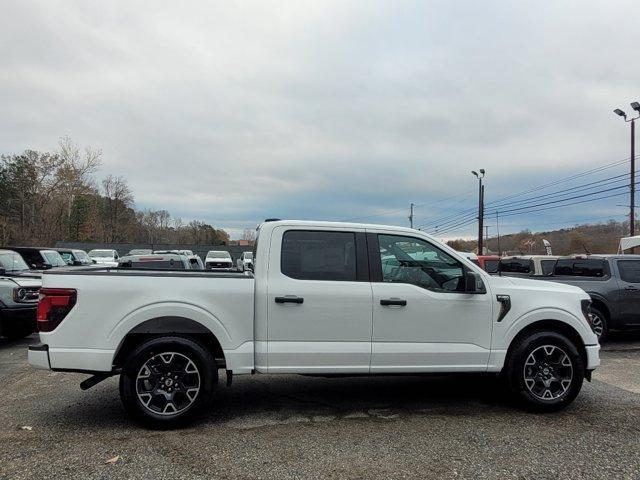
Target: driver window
(415,261)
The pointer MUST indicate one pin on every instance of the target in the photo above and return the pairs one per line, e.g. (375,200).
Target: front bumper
(39,356)
(24,315)
(593,356)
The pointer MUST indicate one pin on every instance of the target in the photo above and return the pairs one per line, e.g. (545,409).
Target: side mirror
(473,283)
(93,261)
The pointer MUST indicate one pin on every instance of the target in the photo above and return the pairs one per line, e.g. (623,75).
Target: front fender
(504,334)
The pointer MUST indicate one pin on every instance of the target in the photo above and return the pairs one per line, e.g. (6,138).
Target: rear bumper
(39,356)
(70,359)
(593,356)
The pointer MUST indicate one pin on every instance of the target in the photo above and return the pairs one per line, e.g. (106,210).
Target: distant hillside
(592,238)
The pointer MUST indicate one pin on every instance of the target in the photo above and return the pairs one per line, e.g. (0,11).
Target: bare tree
(249,234)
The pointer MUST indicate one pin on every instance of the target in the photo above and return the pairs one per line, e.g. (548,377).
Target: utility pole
(632,179)
(411,216)
(498,232)
(480,176)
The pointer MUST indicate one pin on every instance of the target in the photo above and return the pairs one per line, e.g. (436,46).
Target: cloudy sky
(233,112)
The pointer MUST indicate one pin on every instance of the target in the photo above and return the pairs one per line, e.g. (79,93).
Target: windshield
(101,253)
(218,254)
(248,255)
(53,258)
(12,262)
(81,255)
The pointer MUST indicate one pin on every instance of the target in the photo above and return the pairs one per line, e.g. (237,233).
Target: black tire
(599,323)
(544,386)
(169,369)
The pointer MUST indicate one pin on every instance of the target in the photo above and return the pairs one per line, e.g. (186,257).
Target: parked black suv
(40,258)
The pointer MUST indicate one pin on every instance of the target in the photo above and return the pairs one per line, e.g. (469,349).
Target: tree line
(580,239)
(47,197)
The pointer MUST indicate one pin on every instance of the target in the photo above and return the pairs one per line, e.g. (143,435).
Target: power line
(467,213)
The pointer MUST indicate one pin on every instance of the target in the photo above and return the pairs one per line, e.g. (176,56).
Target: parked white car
(218,260)
(319,302)
(245,262)
(105,257)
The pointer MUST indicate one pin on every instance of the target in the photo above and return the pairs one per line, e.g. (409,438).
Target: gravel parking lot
(302,427)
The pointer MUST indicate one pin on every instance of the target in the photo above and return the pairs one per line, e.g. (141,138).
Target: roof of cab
(345,225)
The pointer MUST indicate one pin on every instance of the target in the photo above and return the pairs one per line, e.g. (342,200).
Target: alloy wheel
(548,372)
(168,383)
(597,326)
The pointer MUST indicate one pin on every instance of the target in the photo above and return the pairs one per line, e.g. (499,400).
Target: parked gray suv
(612,282)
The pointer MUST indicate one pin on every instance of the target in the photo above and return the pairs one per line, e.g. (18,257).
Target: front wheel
(545,371)
(166,381)
(599,324)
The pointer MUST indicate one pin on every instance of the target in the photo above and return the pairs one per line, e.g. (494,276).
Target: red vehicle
(489,263)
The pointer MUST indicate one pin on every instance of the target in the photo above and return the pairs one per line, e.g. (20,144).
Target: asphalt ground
(296,427)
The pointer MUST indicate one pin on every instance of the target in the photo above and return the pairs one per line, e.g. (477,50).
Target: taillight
(53,305)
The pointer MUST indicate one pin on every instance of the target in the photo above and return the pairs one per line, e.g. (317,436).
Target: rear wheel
(545,371)
(166,381)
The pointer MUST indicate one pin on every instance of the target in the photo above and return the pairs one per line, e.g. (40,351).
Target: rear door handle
(389,302)
(290,299)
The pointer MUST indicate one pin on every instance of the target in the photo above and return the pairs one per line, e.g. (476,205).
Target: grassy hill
(588,238)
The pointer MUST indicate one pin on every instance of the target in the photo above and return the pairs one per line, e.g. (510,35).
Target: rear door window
(629,270)
(319,255)
(581,267)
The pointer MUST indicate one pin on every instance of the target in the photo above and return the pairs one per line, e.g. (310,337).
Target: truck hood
(26,280)
(527,284)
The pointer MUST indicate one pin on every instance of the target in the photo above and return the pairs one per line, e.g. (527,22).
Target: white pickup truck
(325,298)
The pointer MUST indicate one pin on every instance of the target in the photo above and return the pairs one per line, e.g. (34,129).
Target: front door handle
(289,299)
(389,302)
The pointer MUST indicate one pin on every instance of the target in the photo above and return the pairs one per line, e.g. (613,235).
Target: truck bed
(223,302)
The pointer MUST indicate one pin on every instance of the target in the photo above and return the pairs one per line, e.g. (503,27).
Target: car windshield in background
(515,265)
(81,255)
(248,255)
(53,258)
(101,253)
(67,257)
(221,254)
(12,262)
(581,267)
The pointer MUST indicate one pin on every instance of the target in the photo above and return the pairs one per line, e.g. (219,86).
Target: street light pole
(480,176)
(632,179)
(632,205)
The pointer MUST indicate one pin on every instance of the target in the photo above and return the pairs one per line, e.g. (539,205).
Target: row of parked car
(21,274)
(612,282)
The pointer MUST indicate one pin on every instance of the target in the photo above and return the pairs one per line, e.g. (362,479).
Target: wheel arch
(550,325)
(165,326)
